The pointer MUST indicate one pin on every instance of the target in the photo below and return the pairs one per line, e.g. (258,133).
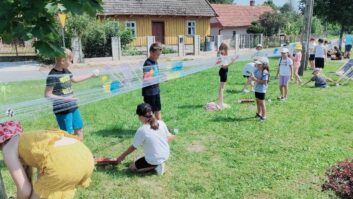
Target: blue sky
(277,2)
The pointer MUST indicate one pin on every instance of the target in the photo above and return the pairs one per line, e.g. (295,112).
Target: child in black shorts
(151,94)
(223,71)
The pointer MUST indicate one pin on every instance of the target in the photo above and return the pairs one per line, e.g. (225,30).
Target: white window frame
(128,27)
(187,27)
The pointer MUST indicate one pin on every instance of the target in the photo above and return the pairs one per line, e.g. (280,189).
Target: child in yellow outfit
(63,162)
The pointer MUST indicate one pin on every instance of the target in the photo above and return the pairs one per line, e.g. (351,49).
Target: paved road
(20,71)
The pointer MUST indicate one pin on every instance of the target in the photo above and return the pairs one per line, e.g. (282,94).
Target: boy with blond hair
(59,91)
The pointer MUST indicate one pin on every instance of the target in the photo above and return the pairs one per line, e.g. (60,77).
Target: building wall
(228,32)
(173,26)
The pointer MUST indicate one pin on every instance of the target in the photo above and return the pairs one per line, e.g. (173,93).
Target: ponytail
(266,67)
(152,121)
(145,110)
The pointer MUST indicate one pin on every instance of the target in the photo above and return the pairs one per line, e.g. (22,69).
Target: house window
(191,27)
(131,25)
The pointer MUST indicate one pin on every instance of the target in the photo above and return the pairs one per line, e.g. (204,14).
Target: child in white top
(284,73)
(153,136)
(312,45)
(320,54)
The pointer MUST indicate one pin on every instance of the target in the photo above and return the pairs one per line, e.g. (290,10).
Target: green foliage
(221,1)
(129,50)
(272,22)
(255,28)
(271,4)
(96,34)
(286,8)
(24,20)
(316,26)
(166,50)
(293,23)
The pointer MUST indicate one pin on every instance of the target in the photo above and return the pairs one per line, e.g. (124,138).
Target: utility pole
(305,38)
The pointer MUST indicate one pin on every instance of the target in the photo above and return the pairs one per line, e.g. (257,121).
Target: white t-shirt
(312,48)
(284,66)
(249,69)
(154,143)
(320,51)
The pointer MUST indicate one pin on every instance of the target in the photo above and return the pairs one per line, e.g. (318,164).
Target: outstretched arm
(306,83)
(125,153)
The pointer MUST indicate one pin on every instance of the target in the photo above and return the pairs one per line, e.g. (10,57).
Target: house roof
(237,15)
(158,7)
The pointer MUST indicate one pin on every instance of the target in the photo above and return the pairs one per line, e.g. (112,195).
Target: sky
(277,2)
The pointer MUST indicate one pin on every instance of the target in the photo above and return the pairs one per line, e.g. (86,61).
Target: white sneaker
(245,91)
(160,169)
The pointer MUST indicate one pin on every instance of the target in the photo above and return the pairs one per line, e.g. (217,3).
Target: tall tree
(271,4)
(37,19)
(335,11)
(221,1)
(272,22)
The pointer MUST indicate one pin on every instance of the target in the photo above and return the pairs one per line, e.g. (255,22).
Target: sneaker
(262,119)
(280,97)
(160,169)
(246,91)
(258,115)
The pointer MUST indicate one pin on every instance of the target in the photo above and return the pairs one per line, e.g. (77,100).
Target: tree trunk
(341,37)
(2,188)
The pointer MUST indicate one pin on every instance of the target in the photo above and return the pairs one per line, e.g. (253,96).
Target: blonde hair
(67,54)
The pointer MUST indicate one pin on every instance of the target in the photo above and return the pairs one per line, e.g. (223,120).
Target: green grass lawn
(224,154)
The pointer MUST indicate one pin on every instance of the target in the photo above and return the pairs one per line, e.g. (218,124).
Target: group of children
(257,73)
(62,160)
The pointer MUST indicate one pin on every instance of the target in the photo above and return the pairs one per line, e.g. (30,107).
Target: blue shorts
(70,121)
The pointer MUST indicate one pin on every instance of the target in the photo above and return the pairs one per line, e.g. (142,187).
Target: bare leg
(285,91)
(263,108)
(281,90)
(258,107)
(220,94)
(79,133)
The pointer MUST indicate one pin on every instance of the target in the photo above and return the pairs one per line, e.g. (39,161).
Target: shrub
(340,179)
(129,50)
(166,50)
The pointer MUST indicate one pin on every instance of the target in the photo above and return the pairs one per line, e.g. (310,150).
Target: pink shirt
(297,58)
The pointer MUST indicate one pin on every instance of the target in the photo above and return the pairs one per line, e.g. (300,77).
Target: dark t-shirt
(319,80)
(152,89)
(61,83)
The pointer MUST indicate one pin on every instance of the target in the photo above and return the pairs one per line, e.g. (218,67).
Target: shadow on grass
(122,171)
(116,132)
(191,106)
(232,119)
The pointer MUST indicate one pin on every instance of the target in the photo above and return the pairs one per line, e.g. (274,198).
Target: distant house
(235,19)
(164,19)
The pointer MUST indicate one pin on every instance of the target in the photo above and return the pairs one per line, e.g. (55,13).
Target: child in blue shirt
(261,77)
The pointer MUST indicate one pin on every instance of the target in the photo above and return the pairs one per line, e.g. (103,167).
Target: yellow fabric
(63,168)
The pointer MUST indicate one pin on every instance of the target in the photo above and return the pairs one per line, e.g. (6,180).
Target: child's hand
(71,98)
(119,160)
(95,73)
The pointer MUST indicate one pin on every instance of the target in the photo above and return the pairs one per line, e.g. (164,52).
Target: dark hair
(155,46)
(145,110)
(266,67)
(321,41)
(224,47)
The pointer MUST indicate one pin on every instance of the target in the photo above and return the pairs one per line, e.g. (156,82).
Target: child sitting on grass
(319,79)
(153,136)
